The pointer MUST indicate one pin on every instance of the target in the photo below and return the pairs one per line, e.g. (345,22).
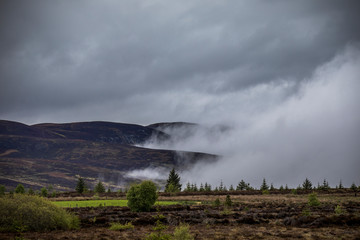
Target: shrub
(313,200)
(2,190)
(265,192)
(32,213)
(141,197)
(120,227)
(182,232)
(338,210)
(44,192)
(217,202)
(228,202)
(20,189)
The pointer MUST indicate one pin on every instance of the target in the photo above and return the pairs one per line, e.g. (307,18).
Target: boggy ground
(251,217)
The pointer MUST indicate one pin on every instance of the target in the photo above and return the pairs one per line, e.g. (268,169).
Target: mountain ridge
(56,154)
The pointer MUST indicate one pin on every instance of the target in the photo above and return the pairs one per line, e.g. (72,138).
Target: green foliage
(99,188)
(182,232)
(80,186)
(121,227)
(353,187)
(44,192)
(217,202)
(141,197)
(313,200)
(173,182)
(341,185)
(294,191)
(306,212)
(159,230)
(22,212)
(307,185)
(264,185)
(31,192)
(265,192)
(2,190)
(338,210)
(228,202)
(324,186)
(20,189)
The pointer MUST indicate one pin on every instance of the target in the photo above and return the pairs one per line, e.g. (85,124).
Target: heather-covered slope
(56,154)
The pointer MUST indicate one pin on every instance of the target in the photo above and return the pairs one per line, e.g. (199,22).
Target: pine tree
(188,187)
(221,187)
(80,186)
(307,185)
(231,188)
(173,180)
(201,188)
(341,185)
(264,185)
(272,187)
(99,188)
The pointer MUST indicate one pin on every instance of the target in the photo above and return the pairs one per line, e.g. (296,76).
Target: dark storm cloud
(279,72)
(62,55)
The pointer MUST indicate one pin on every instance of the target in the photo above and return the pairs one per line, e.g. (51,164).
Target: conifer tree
(341,185)
(231,188)
(201,188)
(80,186)
(307,185)
(264,185)
(99,188)
(173,180)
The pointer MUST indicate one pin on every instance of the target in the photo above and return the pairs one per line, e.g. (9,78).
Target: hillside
(44,154)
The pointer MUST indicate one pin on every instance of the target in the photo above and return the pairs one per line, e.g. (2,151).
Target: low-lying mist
(282,131)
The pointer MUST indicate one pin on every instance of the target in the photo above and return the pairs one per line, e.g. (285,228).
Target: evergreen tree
(44,192)
(325,185)
(201,188)
(281,188)
(221,187)
(341,185)
(264,185)
(231,188)
(99,188)
(20,189)
(272,187)
(109,190)
(80,186)
(228,202)
(207,187)
(241,185)
(173,180)
(195,189)
(353,187)
(286,187)
(188,187)
(307,185)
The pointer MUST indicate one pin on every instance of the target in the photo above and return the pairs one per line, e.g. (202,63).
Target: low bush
(21,212)
(141,197)
(121,227)
(313,200)
(182,232)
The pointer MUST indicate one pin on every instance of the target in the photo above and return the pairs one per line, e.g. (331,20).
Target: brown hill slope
(56,154)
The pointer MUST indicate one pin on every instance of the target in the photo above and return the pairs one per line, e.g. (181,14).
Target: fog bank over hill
(314,133)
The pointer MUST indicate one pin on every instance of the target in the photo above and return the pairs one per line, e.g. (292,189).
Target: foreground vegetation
(20,213)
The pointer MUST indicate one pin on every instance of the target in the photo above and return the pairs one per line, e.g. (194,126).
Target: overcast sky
(283,74)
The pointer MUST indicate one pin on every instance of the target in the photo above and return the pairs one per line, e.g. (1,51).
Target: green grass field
(104,203)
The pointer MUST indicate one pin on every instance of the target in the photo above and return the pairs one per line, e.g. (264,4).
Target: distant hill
(48,153)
